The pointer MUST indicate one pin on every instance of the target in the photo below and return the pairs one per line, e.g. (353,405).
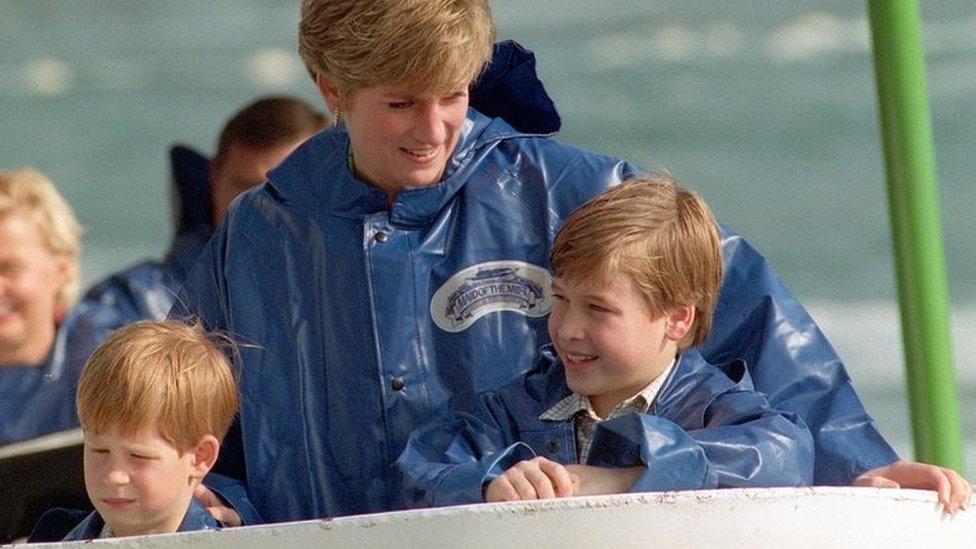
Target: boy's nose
(117,476)
(569,329)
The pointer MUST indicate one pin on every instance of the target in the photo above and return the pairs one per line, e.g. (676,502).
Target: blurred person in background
(252,142)
(44,340)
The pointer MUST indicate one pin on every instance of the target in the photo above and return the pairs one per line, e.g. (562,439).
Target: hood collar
(317,175)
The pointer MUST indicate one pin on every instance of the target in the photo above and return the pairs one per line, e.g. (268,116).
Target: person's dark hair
(268,122)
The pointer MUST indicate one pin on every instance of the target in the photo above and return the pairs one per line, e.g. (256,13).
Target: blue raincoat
(197,518)
(147,289)
(39,399)
(703,430)
(360,320)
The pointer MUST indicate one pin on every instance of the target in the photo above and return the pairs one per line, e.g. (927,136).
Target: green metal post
(914,208)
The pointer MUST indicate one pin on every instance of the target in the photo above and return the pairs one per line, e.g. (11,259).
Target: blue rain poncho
(39,399)
(703,430)
(360,320)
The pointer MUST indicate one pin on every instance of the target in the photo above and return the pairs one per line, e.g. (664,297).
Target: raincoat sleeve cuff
(466,483)
(672,459)
(233,493)
(502,461)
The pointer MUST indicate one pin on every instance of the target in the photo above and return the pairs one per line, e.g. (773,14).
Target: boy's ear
(680,321)
(329,91)
(204,456)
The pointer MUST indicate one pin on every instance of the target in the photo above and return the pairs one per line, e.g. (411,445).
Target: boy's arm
(743,444)
(449,460)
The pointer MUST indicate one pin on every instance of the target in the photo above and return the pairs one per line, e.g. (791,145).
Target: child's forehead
(132,435)
(594,282)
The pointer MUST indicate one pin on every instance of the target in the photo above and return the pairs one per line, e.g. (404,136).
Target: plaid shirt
(578,408)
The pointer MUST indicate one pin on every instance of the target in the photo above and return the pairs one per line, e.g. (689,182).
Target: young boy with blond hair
(155,400)
(620,401)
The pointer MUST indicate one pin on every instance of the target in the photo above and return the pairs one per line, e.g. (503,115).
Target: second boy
(620,390)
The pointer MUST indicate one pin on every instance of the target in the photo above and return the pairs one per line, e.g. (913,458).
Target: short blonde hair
(30,191)
(162,374)
(428,45)
(663,236)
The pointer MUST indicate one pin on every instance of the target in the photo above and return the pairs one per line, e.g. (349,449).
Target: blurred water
(768,110)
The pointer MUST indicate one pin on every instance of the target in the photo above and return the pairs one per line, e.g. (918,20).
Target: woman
(43,341)
(399,260)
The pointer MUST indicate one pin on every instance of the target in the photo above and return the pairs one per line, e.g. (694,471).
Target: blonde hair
(663,236)
(30,191)
(428,45)
(168,375)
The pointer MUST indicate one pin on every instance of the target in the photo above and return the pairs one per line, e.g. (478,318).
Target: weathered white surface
(767,518)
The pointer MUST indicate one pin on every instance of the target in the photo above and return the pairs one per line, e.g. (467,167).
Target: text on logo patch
(488,287)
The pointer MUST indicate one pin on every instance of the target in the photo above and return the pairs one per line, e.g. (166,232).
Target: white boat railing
(823,517)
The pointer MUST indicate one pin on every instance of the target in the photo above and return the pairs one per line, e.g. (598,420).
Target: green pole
(914,208)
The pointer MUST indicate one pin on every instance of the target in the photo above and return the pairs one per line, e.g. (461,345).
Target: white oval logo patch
(488,287)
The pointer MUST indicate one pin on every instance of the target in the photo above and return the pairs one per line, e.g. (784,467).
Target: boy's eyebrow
(588,293)
(599,298)
(138,449)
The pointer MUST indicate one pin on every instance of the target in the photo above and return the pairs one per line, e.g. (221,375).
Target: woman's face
(31,277)
(402,139)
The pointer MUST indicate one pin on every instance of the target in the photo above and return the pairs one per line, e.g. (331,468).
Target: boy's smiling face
(609,343)
(139,484)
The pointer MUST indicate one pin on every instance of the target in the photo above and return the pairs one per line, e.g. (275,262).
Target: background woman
(43,341)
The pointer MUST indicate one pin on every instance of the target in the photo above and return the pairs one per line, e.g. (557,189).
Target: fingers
(541,486)
(512,485)
(940,483)
(960,490)
(561,481)
(538,478)
(226,515)
(870,481)
(953,490)
(205,495)
(500,489)
(216,506)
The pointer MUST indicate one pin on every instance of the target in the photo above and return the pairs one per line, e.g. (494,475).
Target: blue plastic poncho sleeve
(757,319)
(743,443)
(449,460)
